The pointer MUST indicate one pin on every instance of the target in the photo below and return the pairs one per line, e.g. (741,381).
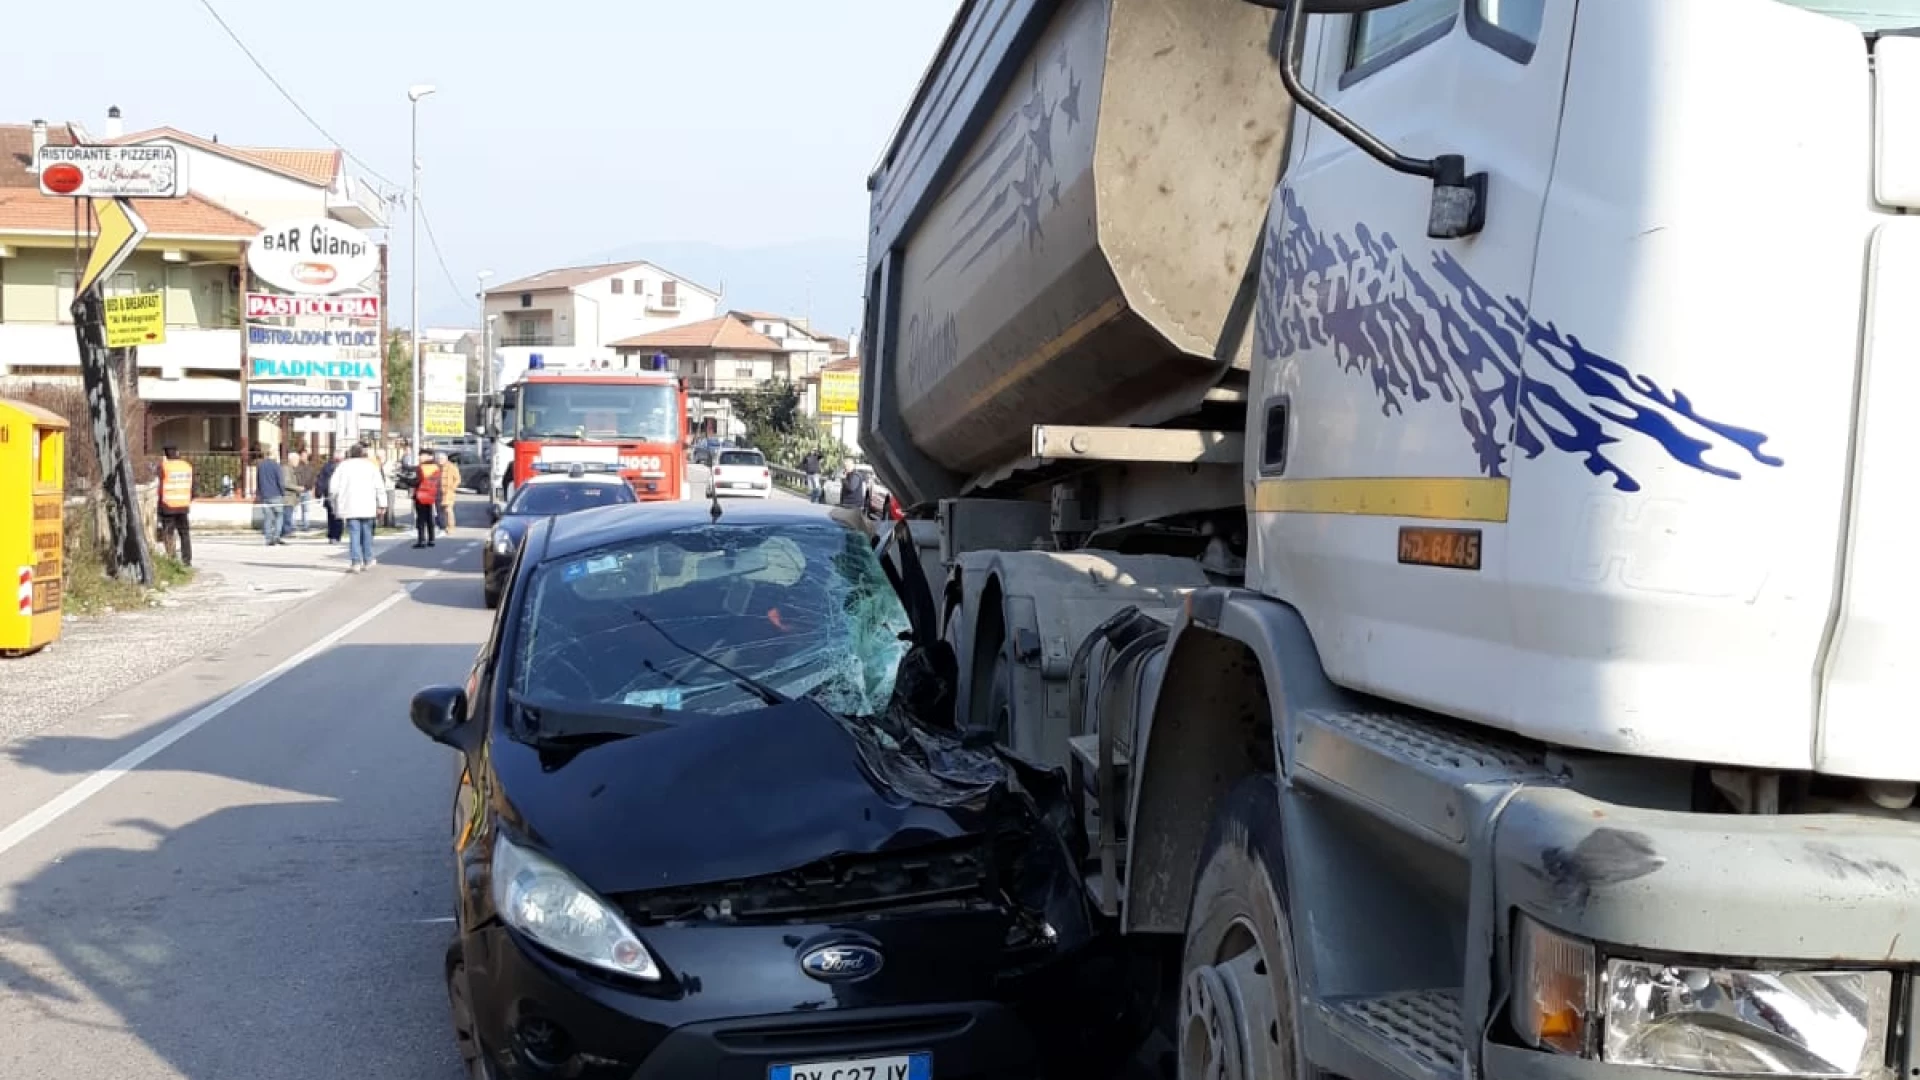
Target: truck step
(1426,772)
(1086,751)
(1414,1033)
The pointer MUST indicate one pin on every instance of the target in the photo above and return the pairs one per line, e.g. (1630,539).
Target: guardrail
(792,479)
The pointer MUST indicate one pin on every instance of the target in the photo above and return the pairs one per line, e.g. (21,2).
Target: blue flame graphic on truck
(1421,337)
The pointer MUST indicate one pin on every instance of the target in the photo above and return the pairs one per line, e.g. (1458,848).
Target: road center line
(72,798)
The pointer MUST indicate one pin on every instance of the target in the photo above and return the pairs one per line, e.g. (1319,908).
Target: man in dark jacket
(816,490)
(321,484)
(270,493)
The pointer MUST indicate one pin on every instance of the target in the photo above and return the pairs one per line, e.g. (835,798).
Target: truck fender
(1239,664)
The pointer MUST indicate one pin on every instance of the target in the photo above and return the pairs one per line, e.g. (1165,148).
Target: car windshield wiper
(561,724)
(746,682)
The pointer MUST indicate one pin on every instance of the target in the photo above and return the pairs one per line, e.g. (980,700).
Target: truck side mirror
(1459,207)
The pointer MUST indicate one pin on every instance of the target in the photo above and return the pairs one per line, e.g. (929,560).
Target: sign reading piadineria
(313,256)
(264,399)
(266,367)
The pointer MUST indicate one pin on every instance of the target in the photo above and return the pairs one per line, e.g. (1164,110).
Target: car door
(1391,360)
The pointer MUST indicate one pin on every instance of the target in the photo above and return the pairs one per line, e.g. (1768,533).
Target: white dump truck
(1426,471)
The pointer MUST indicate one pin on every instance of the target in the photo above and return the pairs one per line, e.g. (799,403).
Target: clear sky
(563,130)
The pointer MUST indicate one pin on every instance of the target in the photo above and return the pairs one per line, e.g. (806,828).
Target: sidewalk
(242,583)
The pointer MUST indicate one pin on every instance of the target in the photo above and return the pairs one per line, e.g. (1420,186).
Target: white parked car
(742,472)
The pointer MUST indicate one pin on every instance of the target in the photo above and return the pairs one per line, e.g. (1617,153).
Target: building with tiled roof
(571,316)
(193,257)
(717,358)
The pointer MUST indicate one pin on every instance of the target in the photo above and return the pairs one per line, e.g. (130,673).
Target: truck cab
(1422,469)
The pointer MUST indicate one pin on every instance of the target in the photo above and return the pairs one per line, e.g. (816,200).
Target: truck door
(1390,362)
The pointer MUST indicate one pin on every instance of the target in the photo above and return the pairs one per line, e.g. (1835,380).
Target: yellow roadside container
(33,466)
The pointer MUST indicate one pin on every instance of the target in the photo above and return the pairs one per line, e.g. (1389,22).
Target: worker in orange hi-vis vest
(176,504)
(426,499)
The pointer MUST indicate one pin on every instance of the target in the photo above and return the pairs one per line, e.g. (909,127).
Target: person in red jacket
(426,499)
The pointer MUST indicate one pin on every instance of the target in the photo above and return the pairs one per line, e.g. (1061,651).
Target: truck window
(1381,37)
(1509,27)
(1868,15)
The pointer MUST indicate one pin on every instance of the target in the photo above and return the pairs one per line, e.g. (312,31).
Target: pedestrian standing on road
(323,487)
(427,478)
(176,503)
(359,494)
(270,494)
(449,490)
(816,490)
(298,482)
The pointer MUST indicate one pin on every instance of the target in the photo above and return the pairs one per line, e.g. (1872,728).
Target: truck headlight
(539,899)
(1696,1018)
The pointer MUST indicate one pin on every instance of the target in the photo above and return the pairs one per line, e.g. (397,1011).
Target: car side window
(1383,36)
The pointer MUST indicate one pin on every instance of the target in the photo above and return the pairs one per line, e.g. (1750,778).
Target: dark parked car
(713,822)
(542,497)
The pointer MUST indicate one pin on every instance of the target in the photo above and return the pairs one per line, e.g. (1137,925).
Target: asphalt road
(239,869)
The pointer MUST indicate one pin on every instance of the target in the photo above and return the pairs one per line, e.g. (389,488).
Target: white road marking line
(71,799)
(442,920)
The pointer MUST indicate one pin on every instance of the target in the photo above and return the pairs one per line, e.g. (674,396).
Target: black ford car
(714,822)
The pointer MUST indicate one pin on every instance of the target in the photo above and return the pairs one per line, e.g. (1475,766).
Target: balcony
(522,341)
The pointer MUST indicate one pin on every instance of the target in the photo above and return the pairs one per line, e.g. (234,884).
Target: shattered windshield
(802,608)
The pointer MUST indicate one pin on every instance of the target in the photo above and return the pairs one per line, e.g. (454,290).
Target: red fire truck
(635,421)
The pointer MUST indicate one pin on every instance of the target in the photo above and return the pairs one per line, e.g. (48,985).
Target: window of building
(619,286)
(526,299)
(639,287)
(1381,37)
(743,371)
(670,294)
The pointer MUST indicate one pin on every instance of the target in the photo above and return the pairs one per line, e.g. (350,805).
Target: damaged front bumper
(1639,941)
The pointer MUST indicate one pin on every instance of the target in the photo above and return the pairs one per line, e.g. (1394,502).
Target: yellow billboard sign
(839,393)
(136,320)
(444,418)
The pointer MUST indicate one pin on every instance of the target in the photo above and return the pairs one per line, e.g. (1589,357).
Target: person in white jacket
(359,494)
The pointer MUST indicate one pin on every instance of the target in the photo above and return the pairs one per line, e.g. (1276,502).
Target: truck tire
(1237,978)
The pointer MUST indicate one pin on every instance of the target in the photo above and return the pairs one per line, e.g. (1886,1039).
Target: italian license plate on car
(898,1067)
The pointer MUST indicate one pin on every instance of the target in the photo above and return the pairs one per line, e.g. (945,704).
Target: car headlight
(503,543)
(1696,1018)
(539,899)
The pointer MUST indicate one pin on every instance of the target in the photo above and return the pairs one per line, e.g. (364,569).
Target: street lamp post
(486,355)
(414,94)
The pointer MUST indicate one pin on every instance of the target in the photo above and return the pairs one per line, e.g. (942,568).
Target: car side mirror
(440,712)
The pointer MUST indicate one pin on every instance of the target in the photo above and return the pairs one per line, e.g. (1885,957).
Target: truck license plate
(899,1067)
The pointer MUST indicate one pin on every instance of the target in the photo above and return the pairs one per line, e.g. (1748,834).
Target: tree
(399,382)
(774,422)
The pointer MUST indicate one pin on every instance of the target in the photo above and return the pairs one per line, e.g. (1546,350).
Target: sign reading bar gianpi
(270,306)
(133,321)
(313,256)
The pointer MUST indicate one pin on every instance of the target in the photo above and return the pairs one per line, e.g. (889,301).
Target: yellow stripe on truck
(1442,498)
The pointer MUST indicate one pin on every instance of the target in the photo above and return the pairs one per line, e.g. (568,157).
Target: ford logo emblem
(841,963)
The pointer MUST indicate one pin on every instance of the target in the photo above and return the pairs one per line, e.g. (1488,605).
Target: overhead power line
(434,243)
(291,100)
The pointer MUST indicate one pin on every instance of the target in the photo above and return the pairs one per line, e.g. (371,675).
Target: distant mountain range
(819,279)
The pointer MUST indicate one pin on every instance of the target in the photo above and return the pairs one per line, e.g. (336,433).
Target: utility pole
(414,94)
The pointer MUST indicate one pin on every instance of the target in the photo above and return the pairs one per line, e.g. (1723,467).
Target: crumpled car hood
(717,797)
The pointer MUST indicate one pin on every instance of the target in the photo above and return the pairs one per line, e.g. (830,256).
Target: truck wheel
(1237,989)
